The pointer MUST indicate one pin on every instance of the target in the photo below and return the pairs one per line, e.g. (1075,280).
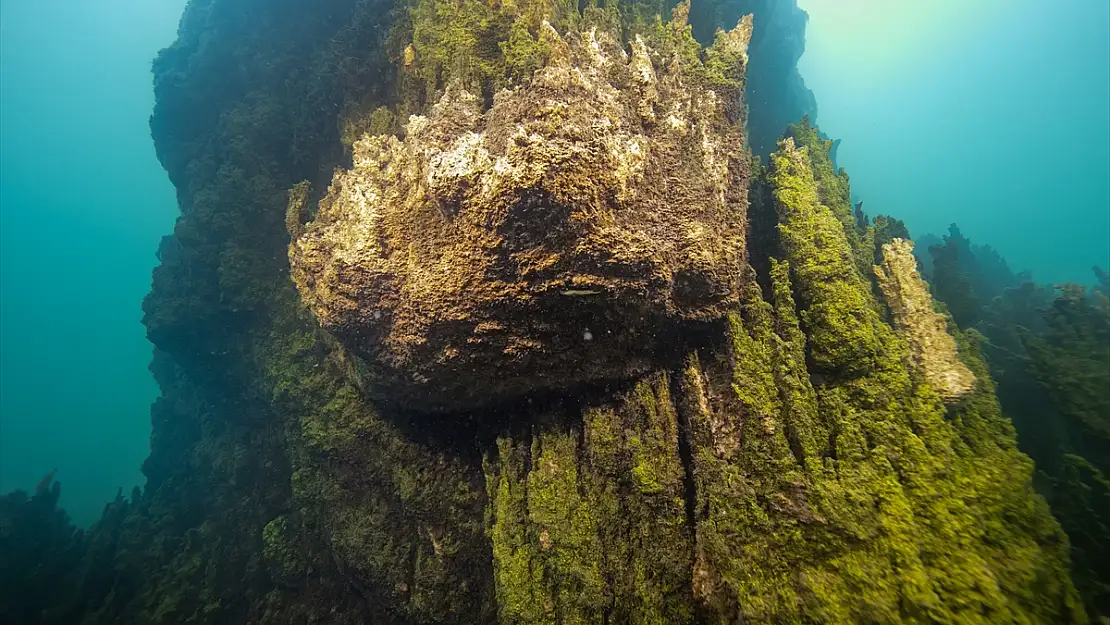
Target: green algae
(590,521)
(415,530)
(283,552)
(909,528)
(845,334)
(1047,351)
(636,479)
(853,499)
(481,46)
(833,189)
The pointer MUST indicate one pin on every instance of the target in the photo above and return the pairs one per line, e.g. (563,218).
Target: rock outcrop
(564,236)
(932,348)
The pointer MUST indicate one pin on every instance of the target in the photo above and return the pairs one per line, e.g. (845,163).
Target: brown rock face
(559,238)
(932,348)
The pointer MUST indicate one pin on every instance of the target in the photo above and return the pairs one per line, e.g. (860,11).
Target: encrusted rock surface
(932,348)
(561,236)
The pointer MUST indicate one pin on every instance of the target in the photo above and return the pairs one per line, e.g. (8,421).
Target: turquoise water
(83,203)
(995,118)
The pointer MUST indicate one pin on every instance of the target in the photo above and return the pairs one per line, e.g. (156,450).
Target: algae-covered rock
(844,337)
(567,207)
(560,237)
(932,348)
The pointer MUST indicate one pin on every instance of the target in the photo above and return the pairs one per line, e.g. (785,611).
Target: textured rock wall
(562,237)
(932,348)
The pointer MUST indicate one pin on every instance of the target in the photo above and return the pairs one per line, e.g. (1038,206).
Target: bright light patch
(871,39)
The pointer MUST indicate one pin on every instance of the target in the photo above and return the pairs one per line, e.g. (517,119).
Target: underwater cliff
(491,313)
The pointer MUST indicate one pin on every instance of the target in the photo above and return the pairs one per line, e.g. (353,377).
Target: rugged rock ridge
(561,237)
(774,90)
(932,348)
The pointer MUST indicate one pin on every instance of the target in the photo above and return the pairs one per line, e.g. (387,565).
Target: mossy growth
(855,501)
(932,349)
(846,336)
(295,211)
(590,520)
(354,123)
(547,558)
(851,495)
(635,476)
(481,46)
(524,53)
(485,47)
(882,230)
(748,479)
(400,516)
(726,60)
(834,189)
(858,500)
(285,557)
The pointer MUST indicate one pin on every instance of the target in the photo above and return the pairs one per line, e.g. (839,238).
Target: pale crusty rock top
(932,348)
(560,237)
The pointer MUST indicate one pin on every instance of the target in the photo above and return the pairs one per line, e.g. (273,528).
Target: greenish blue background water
(994,116)
(83,203)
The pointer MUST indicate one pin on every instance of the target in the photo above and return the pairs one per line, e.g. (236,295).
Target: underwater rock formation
(775,92)
(926,331)
(1049,351)
(558,238)
(787,466)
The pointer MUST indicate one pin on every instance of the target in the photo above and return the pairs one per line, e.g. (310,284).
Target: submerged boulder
(561,236)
